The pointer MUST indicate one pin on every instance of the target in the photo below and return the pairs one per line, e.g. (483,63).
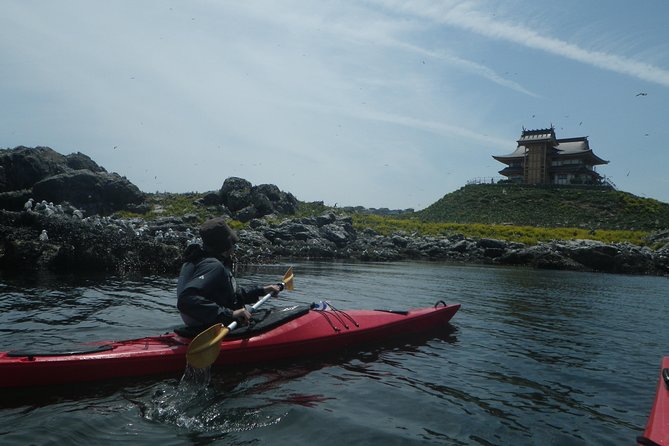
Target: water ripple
(532,357)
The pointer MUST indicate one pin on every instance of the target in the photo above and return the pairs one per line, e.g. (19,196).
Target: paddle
(204,349)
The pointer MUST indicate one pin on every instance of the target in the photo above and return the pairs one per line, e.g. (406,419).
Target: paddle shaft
(255,306)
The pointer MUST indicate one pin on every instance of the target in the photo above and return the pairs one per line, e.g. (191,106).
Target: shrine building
(541,158)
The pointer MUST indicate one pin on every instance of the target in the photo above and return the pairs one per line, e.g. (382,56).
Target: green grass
(170,205)
(312,208)
(529,235)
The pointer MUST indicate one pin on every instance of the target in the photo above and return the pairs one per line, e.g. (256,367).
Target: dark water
(532,358)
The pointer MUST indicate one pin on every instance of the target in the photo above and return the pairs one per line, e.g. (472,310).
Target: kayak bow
(657,428)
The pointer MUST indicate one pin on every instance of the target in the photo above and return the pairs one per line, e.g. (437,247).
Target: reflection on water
(532,357)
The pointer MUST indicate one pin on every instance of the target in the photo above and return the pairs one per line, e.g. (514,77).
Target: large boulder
(269,199)
(94,192)
(45,175)
(236,193)
(22,167)
(593,254)
(79,161)
(247,202)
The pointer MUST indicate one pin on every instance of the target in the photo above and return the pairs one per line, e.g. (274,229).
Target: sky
(378,103)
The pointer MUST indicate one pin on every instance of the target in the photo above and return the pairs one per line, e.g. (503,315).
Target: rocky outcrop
(95,192)
(246,202)
(589,255)
(69,244)
(65,242)
(45,175)
(22,167)
(243,201)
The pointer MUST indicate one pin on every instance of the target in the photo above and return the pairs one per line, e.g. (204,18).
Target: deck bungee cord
(326,309)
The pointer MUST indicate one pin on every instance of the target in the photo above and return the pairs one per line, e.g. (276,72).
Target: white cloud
(465,15)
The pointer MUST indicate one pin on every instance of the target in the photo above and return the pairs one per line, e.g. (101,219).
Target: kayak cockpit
(262,320)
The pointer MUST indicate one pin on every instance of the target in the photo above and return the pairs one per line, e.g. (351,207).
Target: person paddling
(207,292)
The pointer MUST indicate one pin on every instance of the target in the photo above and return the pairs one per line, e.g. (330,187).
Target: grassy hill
(511,212)
(589,208)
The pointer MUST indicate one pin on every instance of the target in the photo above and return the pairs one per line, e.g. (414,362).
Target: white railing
(486,180)
(606,182)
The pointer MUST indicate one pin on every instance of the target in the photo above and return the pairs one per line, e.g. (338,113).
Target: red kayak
(657,429)
(286,333)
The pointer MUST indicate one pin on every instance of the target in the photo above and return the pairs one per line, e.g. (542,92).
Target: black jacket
(207,292)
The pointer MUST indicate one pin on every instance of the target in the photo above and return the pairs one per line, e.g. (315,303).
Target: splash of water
(181,405)
(195,406)
(194,378)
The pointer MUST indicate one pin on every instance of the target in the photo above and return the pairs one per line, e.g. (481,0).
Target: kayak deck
(312,333)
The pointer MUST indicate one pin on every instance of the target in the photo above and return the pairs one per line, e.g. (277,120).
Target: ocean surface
(532,358)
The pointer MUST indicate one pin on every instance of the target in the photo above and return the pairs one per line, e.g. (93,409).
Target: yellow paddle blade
(288,279)
(204,349)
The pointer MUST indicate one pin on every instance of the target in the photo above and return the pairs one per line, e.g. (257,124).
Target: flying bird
(642,94)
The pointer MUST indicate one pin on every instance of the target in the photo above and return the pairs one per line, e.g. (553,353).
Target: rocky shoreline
(65,243)
(79,235)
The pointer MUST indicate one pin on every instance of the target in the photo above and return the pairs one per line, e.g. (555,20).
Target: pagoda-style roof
(561,148)
(541,158)
(518,153)
(574,146)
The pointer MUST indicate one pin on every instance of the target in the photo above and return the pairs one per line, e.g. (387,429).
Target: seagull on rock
(43,237)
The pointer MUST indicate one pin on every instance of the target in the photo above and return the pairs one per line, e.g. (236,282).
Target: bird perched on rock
(29,205)
(43,236)
(41,206)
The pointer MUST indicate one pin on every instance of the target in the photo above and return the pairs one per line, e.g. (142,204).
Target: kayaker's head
(217,237)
